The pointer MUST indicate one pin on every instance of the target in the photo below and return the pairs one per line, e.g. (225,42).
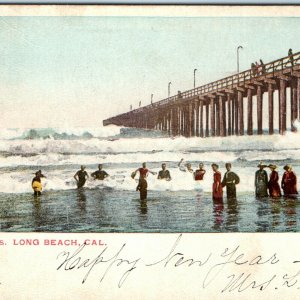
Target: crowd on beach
(265,185)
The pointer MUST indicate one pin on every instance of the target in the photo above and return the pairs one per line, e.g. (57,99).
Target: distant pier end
(225,107)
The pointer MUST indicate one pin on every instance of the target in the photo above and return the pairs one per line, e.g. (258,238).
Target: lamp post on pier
(238,58)
(169,89)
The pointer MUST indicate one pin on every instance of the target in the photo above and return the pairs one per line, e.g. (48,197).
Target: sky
(77,71)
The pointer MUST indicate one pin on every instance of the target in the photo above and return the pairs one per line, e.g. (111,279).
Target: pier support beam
(159,122)
(185,118)
(212,116)
(181,121)
(282,106)
(172,121)
(197,105)
(190,120)
(294,103)
(193,119)
(222,116)
(147,121)
(169,121)
(177,109)
(233,114)
(165,122)
(162,121)
(250,112)
(207,119)
(240,112)
(175,121)
(271,107)
(236,115)
(201,118)
(298,96)
(229,114)
(153,119)
(184,121)
(259,109)
(218,116)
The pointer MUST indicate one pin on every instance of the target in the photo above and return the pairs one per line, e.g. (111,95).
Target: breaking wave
(59,133)
(290,141)
(113,132)
(22,152)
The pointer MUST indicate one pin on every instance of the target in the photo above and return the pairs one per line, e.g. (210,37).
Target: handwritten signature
(237,268)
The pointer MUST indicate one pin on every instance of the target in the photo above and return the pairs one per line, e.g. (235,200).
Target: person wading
(142,185)
(217,191)
(230,180)
(81,177)
(199,174)
(261,182)
(99,174)
(289,182)
(186,168)
(273,185)
(37,184)
(164,173)
(143,171)
(142,188)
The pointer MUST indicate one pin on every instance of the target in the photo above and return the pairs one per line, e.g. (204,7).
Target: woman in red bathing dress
(273,185)
(199,174)
(143,171)
(217,190)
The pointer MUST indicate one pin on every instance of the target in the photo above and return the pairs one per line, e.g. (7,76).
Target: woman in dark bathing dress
(289,182)
(273,185)
(142,187)
(261,182)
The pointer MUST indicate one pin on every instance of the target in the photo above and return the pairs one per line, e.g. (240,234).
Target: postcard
(149,152)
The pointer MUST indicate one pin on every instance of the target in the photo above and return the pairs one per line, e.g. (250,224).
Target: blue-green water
(113,205)
(108,210)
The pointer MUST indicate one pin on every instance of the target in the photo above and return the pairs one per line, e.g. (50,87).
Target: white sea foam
(58,157)
(120,179)
(233,143)
(55,159)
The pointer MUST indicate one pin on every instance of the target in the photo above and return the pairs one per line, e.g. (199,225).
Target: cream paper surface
(149,266)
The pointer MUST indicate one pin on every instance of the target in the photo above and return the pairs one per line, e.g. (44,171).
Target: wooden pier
(217,108)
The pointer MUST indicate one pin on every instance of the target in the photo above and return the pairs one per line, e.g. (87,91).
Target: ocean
(180,205)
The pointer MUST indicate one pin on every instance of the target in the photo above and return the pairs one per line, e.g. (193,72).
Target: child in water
(37,184)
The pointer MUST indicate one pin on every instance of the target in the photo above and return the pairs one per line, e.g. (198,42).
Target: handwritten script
(230,269)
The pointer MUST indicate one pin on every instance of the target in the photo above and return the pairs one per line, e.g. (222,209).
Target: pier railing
(226,83)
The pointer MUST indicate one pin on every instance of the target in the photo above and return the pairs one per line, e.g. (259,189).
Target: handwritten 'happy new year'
(214,265)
